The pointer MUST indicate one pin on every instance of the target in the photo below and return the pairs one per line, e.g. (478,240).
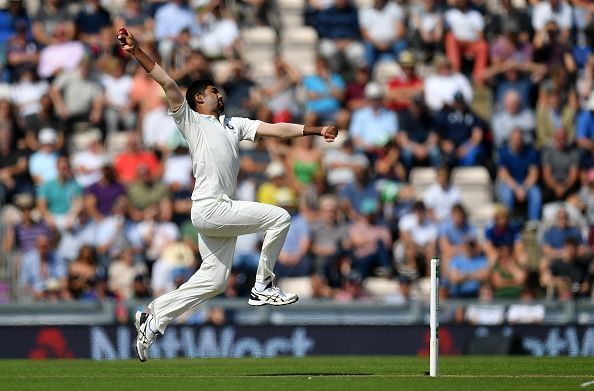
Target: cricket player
(213,140)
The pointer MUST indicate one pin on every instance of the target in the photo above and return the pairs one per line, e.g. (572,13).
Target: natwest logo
(50,343)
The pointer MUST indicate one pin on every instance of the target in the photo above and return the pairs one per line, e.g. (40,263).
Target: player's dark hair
(197,87)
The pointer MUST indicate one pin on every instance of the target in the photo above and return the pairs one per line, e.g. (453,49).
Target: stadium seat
(116,143)
(301,286)
(363,3)
(299,46)
(380,287)
(291,12)
(386,70)
(476,188)
(421,178)
(258,46)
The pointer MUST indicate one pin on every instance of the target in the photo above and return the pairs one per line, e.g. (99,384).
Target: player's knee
(219,287)
(284,218)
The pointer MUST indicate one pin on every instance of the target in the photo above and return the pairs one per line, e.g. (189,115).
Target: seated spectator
(512,75)
(465,38)
(508,276)
(338,29)
(134,18)
(553,10)
(294,259)
(27,93)
(12,13)
(418,236)
(417,136)
(454,233)
(90,20)
(59,200)
(374,126)
(517,176)
(554,238)
(50,15)
(461,133)
(254,162)
(23,236)
(147,190)
(560,163)
(383,30)
(351,196)
(585,127)
(101,196)
(585,197)
(158,128)
(43,274)
(404,87)
(170,20)
(329,233)
(156,230)
(501,233)
(351,288)
(126,164)
(119,112)
(145,94)
(370,240)
(87,163)
(467,271)
(511,30)
(427,25)
(305,162)
(43,163)
(117,232)
(553,113)
(440,197)
(177,170)
(80,231)
(339,163)
(62,54)
(14,177)
(174,267)
(82,273)
(513,116)
(389,165)
(551,48)
(441,87)
(569,273)
(277,181)
(45,117)
(78,97)
(239,90)
(219,32)
(324,91)
(123,272)
(280,97)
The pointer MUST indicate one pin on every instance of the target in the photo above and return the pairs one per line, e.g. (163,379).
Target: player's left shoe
(146,336)
(271,295)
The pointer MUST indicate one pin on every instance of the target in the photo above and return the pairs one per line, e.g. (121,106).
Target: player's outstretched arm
(172,91)
(286,130)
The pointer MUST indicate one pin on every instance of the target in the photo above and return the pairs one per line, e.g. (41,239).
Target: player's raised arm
(172,91)
(286,130)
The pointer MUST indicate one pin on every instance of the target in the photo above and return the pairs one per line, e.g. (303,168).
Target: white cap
(47,136)
(275,169)
(374,90)
(590,103)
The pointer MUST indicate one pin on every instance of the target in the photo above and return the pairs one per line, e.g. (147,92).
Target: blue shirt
(298,230)
(58,195)
(327,103)
(585,126)
(555,236)
(30,273)
(518,164)
(505,236)
(457,235)
(456,126)
(357,195)
(44,165)
(374,128)
(337,23)
(464,265)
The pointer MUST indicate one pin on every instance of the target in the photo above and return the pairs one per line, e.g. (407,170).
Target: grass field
(317,373)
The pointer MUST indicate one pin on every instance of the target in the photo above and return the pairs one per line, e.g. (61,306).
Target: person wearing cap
(461,133)
(43,163)
(441,86)
(277,181)
(403,87)
(373,126)
(585,126)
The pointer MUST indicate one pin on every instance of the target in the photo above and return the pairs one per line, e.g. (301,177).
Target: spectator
(80,231)
(427,25)
(467,271)
(440,197)
(42,164)
(404,87)
(126,164)
(465,38)
(43,274)
(62,54)
(441,87)
(277,181)
(123,272)
(552,113)
(559,168)
(14,177)
(90,20)
(220,34)
(101,196)
(27,93)
(503,234)
(119,113)
(355,89)
(147,190)
(513,116)
(569,272)
(59,199)
(304,161)
(518,176)
(177,171)
(585,199)
(239,89)
(325,91)
(156,230)
(585,127)
(383,31)
(339,163)
(22,52)
(338,29)
(510,24)
(44,118)
(370,241)
(511,75)
(51,14)
(553,10)
(23,236)
(551,49)
(280,97)
(554,237)
(329,233)
(253,162)
(417,136)
(82,273)
(175,265)
(117,232)
(12,15)
(461,133)
(389,165)
(508,276)
(170,20)
(145,94)
(136,20)
(353,194)
(87,163)
(374,126)
(158,128)
(454,233)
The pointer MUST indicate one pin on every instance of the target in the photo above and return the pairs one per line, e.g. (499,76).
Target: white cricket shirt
(214,148)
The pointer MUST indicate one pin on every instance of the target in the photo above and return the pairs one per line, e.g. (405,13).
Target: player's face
(213,98)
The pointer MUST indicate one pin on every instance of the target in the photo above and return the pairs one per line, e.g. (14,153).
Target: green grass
(315,373)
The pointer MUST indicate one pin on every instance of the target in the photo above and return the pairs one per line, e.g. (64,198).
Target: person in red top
(126,164)
(402,88)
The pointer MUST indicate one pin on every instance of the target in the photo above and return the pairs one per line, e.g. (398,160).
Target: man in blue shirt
(554,238)
(585,127)
(373,126)
(518,175)
(467,271)
(324,91)
(353,194)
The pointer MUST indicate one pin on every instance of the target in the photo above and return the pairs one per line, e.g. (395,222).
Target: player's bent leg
(146,333)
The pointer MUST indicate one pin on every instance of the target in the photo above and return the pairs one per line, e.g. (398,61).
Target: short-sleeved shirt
(327,103)
(44,165)
(59,195)
(456,126)
(422,232)
(106,195)
(356,195)
(381,24)
(560,161)
(585,126)
(465,25)
(374,128)
(502,236)
(298,231)
(214,148)
(518,164)
(30,274)
(555,236)
(576,271)
(457,235)
(466,265)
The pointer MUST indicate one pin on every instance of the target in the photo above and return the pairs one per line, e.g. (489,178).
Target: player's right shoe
(146,336)
(271,295)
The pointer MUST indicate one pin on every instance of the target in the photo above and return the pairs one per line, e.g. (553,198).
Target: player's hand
(329,133)
(127,41)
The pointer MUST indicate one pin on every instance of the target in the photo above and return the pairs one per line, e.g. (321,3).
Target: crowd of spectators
(86,220)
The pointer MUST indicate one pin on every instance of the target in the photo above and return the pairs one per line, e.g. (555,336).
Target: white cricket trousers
(219,221)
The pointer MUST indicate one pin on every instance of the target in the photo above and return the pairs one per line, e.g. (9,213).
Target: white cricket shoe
(271,295)
(145,336)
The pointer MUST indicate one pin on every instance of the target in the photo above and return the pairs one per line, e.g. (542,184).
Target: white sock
(260,286)
(152,325)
